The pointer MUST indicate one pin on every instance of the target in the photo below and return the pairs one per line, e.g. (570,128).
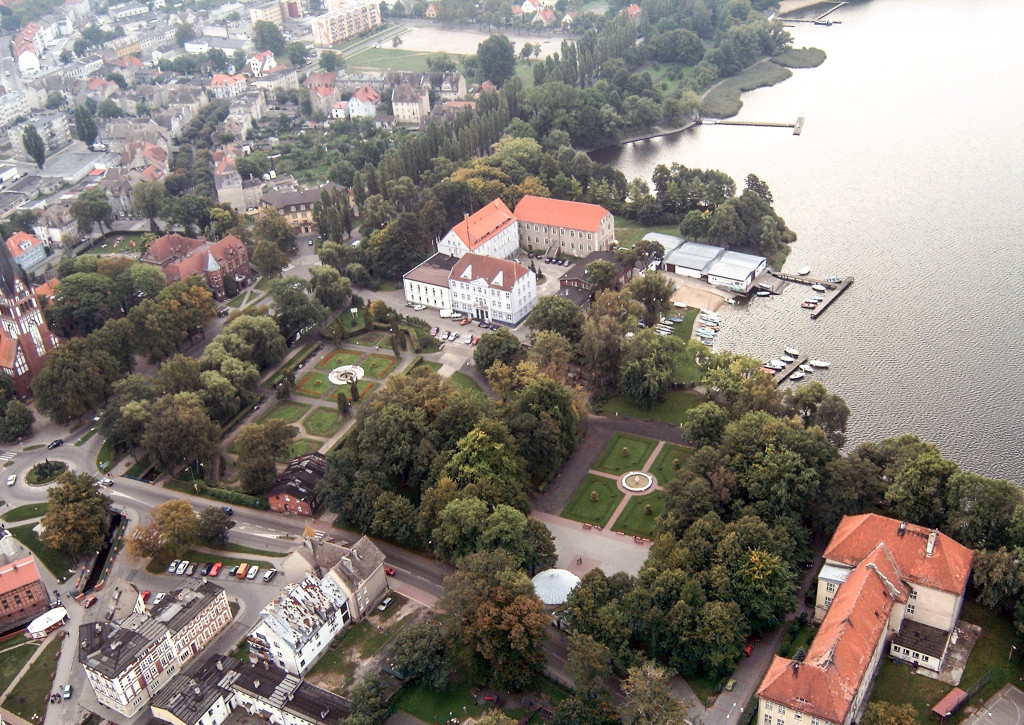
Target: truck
(447,314)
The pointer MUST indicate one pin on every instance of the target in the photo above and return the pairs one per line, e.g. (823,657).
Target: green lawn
(236,301)
(723,100)
(338,358)
(468,385)
(582,508)
(119,244)
(239,549)
(378,366)
(634,521)
(106,458)
(304,354)
(435,366)
(28,698)
(368,339)
(314,385)
(687,369)
(14,658)
(87,436)
(801,58)
(140,467)
(363,386)
(795,638)
(388,59)
(57,562)
(352,322)
(629,231)
(287,410)
(323,422)
(614,462)
(662,468)
(24,513)
(300,447)
(45,472)
(433,706)
(671,410)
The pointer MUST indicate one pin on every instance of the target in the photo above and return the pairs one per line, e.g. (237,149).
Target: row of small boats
(790,356)
(707,326)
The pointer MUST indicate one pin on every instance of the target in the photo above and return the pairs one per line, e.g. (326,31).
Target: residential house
(339,111)
(363,103)
(885,587)
(56,224)
(433,12)
(225,86)
(268,12)
(492,231)
(261,63)
(278,78)
(99,89)
(410,104)
(27,250)
(297,206)
(576,277)
(492,290)
(127,662)
(13,105)
(545,17)
(294,492)
(223,264)
(567,227)
(27,57)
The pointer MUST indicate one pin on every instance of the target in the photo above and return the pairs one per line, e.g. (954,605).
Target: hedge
(220,494)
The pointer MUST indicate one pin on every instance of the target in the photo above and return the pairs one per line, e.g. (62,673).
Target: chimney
(931,542)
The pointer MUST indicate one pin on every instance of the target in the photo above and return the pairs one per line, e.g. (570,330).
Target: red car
(748,650)
(145,596)
(88,601)
(389,570)
(215,569)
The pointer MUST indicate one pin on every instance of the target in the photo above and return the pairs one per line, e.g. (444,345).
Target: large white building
(492,231)
(492,290)
(345,19)
(427,282)
(13,105)
(129,661)
(886,587)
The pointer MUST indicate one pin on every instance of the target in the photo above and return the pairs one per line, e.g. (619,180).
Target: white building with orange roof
(492,289)
(885,587)
(26,249)
(492,232)
(225,86)
(363,103)
(564,227)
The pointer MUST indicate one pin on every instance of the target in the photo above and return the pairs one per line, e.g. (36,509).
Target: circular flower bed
(43,473)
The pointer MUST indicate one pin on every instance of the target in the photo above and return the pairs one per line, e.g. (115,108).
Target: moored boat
(796,376)
(833,280)
(804,271)
(819,288)
(770,371)
(786,359)
(809,305)
(819,363)
(792,351)
(777,363)
(807,368)
(764,293)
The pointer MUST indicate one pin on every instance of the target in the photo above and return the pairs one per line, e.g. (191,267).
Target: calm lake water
(909,175)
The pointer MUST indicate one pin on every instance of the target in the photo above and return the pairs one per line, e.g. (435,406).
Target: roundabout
(345,375)
(636,481)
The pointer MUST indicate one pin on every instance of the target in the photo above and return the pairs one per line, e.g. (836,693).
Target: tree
(267,36)
(294,310)
(499,345)
(601,275)
(654,292)
(649,699)
(272,226)
(16,422)
(886,713)
(329,287)
(704,424)
(329,60)
(85,126)
(109,109)
(91,207)
(297,53)
(394,518)
(183,34)
(648,367)
(268,258)
(589,666)
(486,464)
(180,431)
(556,314)
(213,524)
(459,528)
(421,653)
(76,377)
(76,518)
(148,201)
(177,524)
(189,211)
(369,701)
(259,445)
(551,353)
(497,59)
(35,147)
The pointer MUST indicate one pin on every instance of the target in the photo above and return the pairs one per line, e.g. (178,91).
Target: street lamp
(1010,656)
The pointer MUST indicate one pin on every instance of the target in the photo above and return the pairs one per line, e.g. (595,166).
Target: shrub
(594,497)
(625,451)
(236,497)
(648,511)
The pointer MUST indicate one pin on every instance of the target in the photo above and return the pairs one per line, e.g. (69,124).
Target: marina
(781,375)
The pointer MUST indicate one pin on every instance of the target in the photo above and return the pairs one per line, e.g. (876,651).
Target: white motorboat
(833,280)
(776,363)
(796,376)
(819,288)
(823,364)
(792,352)
(807,368)
(804,271)
(787,359)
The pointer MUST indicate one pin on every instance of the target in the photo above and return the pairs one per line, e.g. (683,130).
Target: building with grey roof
(736,271)
(129,661)
(691,259)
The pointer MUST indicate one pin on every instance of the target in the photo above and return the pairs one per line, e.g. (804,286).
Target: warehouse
(736,271)
(691,259)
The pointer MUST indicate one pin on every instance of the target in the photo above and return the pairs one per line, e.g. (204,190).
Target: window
(767,719)
(917,656)
(910,609)
(913,594)
(782,710)
(830,586)
(768,706)
(814,721)
(780,721)
(828,602)
(797,716)
(924,658)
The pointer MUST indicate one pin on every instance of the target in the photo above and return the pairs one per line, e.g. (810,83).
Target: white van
(447,314)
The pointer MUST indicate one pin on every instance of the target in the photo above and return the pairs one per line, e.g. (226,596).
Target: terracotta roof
(947,569)
(948,704)
(322,91)
(558,213)
(8,351)
(16,242)
(633,10)
(47,288)
(19,573)
(129,60)
(221,79)
(169,245)
(484,224)
(826,682)
(367,94)
(499,274)
(321,78)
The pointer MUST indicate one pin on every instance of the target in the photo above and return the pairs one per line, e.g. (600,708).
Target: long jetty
(820,309)
(781,375)
(835,289)
(831,10)
(644,137)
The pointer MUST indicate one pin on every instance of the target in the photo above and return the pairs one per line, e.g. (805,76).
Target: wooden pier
(781,375)
(763,124)
(830,11)
(823,305)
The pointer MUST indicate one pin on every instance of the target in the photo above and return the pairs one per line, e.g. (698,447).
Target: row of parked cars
(452,336)
(184,567)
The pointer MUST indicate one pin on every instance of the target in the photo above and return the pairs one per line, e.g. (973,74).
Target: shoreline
(791,6)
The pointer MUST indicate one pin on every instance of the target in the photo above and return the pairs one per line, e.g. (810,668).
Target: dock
(830,10)
(763,124)
(798,126)
(645,137)
(780,377)
(842,287)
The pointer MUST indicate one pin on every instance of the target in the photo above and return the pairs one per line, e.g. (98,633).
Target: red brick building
(25,340)
(22,595)
(295,490)
(223,264)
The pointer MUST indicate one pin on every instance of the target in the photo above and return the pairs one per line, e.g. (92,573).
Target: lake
(909,175)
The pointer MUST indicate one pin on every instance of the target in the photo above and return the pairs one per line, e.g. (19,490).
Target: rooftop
(434,270)
(922,638)
(558,213)
(477,228)
(17,574)
(692,255)
(499,274)
(300,610)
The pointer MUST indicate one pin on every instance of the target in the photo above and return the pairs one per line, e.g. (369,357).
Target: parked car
(145,596)
(242,568)
(205,570)
(385,604)
(173,567)
(55,444)
(465,321)
(269,574)
(233,570)
(467,339)
(191,569)
(434,330)
(67,692)
(229,511)
(253,571)
(419,308)
(476,340)
(107,481)
(730,684)
(11,479)
(182,567)
(88,601)
(215,569)
(389,570)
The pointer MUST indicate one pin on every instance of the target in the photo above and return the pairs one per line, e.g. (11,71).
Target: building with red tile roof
(26,249)
(23,595)
(567,227)
(225,86)
(885,587)
(491,231)
(223,264)
(492,289)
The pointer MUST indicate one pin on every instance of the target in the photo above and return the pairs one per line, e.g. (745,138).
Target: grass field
(468,385)
(435,366)
(323,422)
(305,353)
(138,468)
(687,370)
(314,385)
(300,447)
(13,660)
(378,366)
(119,244)
(614,462)
(991,653)
(628,231)
(634,521)
(338,358)
(388,59)
(239,549)
(723,100)
(367,339)
(363,385)
(24,513)
(582,508)
(801,58)
(287,410)
(57,562)
(45,472)
(671,410)
(28,698)
(81,441)
(433,706)
(662,468)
